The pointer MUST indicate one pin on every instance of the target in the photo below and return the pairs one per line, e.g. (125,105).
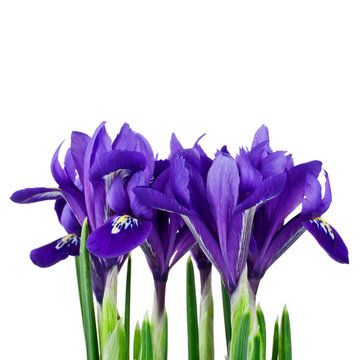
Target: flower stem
(87,298)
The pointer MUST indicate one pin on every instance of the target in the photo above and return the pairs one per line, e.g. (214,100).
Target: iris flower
(271,235)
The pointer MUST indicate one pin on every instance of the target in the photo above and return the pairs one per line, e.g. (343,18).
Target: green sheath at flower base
(206,336)
(109,313)
(275,348)
(242,338)
(191,312)
(262,327)
(285,337)
(86,296)
(115,345)
(137,342)
(159,334)
(146,340)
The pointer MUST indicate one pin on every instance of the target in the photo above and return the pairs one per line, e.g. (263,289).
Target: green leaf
(256,350)
(275,348)
(285,337)
(227,314)
(165,335)
(146,341)
(127,307)
(87,297)
(191,311)
(242,338)
(77,266)
(115,345)
(262,328)
(137,342)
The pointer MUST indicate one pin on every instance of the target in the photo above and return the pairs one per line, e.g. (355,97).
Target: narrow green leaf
(227,314)
(256,350)
(242,338)
(127,307)
(87,297)
(77,266)
(285,337)
(146,341)
(275,348)
(137,342)
(191,311)
(262,327)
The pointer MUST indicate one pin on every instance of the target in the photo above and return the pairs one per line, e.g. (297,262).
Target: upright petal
(261,135)
(222,190)
(117,198)
(79,142)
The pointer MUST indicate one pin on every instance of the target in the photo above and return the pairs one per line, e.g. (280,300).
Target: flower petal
(79,142)
(31,195)
(115,160)
(157,200)
(118,236)
(183,243)
(261,135)
(56,251)
(117,198)
(328,238)
(222,189)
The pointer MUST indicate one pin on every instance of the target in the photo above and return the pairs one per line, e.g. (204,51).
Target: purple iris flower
(69,206)
(271,235)
(206,194)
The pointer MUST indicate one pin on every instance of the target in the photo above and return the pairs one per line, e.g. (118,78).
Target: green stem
(227,315)
(77,265)
(285,337)
(127,308)
(191,312)
(87,298)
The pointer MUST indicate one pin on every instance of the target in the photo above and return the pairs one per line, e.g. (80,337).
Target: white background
(220,67)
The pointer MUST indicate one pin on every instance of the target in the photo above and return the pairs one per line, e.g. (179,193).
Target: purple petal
(69,221)
(137,206)
(276,163)
(175,146)
(249,175)
(222,190)
(183,243)
(157,200)
(31,195)
(261,136)
(154,251)
(117,198)
(312,199)
(115,160)
(56,251)
(69,166)
(328,238)
(180,181)
(126,139)
(118,236)
(79,142)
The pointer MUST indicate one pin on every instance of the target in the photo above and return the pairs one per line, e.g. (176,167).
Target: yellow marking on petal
(66,240)
(325,226)
(123,222)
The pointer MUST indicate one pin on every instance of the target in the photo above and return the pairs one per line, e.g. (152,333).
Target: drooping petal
(222,190)
(312,199)
(328,238)
(117,198)
(115,160)
(31,195)
(118,236)
(79,142)
(157,200)
(56,251)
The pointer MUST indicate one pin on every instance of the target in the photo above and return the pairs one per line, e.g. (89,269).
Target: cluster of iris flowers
(228,212)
